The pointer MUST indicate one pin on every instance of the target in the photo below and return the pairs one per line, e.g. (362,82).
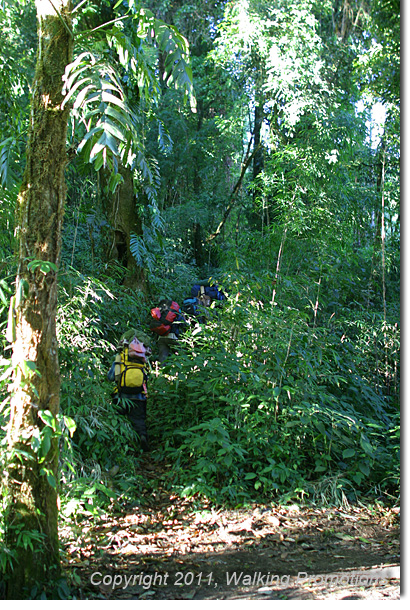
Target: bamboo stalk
(280,253)
(317,303)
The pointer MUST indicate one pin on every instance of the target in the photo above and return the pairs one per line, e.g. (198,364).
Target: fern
(113,131)
(143,257)
(164,139)
(100,106)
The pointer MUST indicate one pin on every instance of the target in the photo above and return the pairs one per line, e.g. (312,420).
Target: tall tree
(112,136)
(17,63)
(116,84)
(31,482)
(274,50)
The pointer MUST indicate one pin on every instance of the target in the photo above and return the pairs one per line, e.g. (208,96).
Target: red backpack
(163,317)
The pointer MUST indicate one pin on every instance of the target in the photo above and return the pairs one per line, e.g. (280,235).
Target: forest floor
(168,548)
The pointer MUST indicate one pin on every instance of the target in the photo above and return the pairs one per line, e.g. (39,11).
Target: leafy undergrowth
(168,547)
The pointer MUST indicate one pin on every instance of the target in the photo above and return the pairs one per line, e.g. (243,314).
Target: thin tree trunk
(278,264)
(316,308)
(235,191)
(383,240)
(258,158)
(377,241)
(280,253)
(31,476)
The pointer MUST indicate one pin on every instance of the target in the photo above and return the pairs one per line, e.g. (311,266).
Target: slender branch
(317,299)
(61,18)
(280,253)
(245,165)
(103,25)
(79,5)
(278,263)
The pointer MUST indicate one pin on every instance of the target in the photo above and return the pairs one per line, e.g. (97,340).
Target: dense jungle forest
(147,147)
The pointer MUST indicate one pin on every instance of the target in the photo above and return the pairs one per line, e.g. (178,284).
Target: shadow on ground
(164,549)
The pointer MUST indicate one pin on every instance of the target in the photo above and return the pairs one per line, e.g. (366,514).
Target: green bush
(258,402)
(90,323)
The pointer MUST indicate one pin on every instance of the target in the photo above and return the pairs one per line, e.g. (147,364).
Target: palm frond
(7,156)
(94,85)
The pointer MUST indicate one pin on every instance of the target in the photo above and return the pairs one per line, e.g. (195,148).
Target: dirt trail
(167,548)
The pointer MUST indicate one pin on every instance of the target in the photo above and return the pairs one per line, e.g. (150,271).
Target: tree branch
(245,165)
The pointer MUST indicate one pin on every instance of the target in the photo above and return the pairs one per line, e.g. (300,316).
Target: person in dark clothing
(166,345)
(135,408)
(130,374)
(168,322)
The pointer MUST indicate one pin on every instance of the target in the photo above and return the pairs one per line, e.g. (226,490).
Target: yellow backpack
(130,375)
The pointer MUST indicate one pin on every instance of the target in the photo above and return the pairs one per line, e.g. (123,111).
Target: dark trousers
(136,411)
(165,347)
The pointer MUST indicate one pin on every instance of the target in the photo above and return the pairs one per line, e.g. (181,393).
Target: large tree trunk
(124,217)
(31,478)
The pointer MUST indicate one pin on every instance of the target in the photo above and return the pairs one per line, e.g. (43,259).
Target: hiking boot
(144,443)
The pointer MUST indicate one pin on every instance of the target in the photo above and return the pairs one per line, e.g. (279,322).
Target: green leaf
(320,426)
(43,266)
(349,453)
(3,298)
(52,480)
(11,323)
(45,442)
(22,291)
(50,477)
(364,468)
(366,446)
(29,367)
(114,130)
(48,418)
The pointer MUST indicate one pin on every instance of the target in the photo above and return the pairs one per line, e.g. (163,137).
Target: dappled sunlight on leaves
(167,534)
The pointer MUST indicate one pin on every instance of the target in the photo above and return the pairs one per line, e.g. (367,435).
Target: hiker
(202,296)
(195,310)
(129,371)
(168,323)
(207,293)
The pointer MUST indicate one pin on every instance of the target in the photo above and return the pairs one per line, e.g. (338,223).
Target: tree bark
(31,515)
(124,217)
(258,158)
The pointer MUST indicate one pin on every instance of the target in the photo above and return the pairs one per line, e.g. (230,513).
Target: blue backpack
(190,306)
(213,292)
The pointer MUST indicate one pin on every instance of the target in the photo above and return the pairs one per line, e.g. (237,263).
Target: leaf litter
(169,547)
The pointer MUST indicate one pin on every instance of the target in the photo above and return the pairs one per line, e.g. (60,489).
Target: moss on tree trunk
(31,518)
(124,217)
